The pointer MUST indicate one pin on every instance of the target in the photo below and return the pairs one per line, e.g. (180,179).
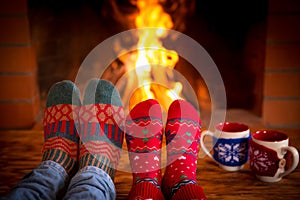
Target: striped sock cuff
(148,180)
(99,161)
(182,183)
(60,157)
(145,190)
(190,191)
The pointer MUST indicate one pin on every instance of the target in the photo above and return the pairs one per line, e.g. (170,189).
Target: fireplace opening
(233,33)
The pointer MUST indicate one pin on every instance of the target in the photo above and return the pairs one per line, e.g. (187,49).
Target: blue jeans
(50,181)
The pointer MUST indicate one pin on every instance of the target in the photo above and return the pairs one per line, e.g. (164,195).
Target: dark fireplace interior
(232,32)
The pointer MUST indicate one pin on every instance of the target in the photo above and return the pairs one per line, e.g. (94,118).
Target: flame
(151,55)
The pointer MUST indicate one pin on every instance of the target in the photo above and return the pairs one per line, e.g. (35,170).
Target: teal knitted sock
(101,121)
(60,119)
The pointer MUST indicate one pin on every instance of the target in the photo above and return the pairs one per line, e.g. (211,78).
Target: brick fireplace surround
(278,89)
(19,94)
(281,102)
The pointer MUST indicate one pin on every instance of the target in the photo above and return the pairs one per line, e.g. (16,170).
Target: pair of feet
(144,133)
(90,133)
(87,133)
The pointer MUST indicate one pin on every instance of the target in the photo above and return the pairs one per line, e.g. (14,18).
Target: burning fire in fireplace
(152,59)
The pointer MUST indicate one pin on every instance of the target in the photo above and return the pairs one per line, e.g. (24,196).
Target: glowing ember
(152,57)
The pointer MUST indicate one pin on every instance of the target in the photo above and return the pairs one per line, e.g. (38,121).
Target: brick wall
(19,95)
(281,103)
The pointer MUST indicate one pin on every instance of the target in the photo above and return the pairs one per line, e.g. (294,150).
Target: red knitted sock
(182,134)
(190,191)
(60,133)
(145,190)
(144,140)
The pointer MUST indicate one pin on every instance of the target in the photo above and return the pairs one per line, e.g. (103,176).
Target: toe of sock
(147,108)
(64,92)
(101,92)
(183,109)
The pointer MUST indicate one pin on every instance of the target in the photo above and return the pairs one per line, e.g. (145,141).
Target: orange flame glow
(151,55)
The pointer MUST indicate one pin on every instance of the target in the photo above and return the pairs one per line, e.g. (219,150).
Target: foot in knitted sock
(144,140)
(101,122)
(182,132)
(60,119)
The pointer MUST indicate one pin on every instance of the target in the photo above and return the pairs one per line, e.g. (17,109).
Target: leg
(91,183)
(50,178)
(182,136)
(101,123)
(144,139)
(46,181)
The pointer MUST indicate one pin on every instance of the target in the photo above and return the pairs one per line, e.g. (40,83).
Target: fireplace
(241,38)
(226,30)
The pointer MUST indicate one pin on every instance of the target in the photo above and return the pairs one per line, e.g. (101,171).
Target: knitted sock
(101,122)
(60,133)
(182,135)
(144,140)
(190,191)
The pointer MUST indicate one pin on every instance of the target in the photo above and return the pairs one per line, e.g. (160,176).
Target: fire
(152,56)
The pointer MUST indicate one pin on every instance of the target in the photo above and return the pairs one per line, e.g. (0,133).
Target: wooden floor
(20,152)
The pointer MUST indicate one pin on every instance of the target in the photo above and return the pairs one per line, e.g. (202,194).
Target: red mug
(267,152)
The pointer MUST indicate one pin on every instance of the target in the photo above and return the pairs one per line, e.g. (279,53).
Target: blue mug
(230,145)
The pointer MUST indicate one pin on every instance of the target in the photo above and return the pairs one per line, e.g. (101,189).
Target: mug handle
(295,161)
(203,134)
